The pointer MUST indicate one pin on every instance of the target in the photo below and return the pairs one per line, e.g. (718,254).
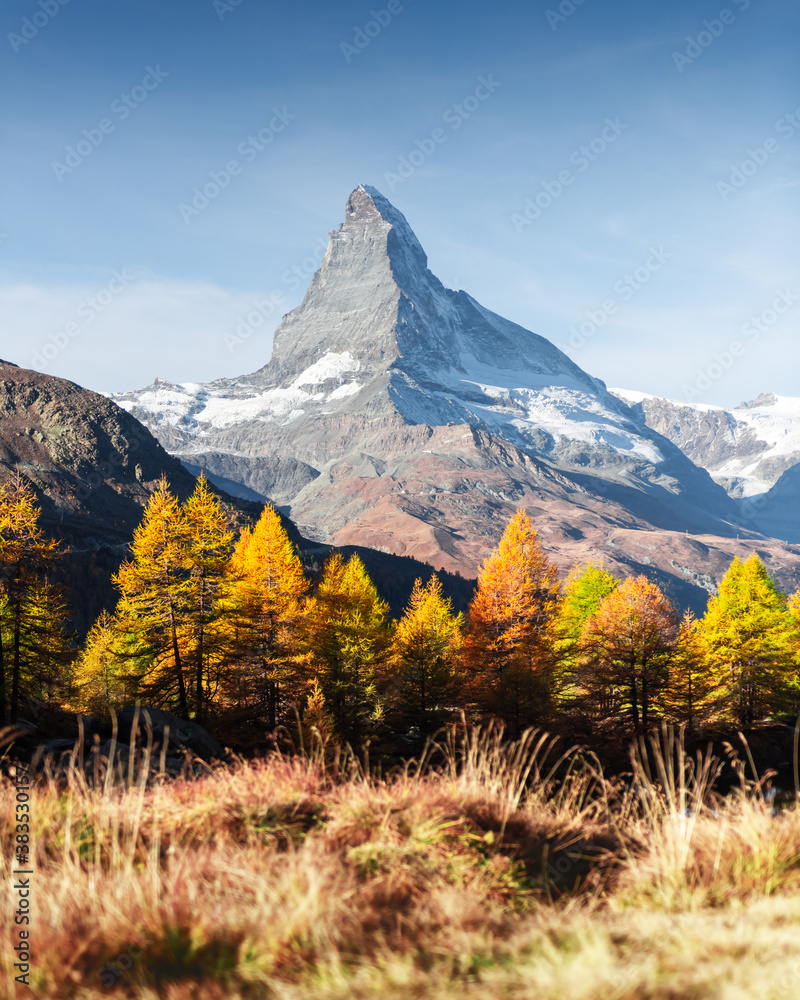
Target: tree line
(208,621)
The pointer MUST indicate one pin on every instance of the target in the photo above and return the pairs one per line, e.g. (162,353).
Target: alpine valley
(398,414)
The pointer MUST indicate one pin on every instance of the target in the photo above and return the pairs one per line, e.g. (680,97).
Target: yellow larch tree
(748,636)
(509,657)
(264,614)
(34,648)
(102,680)
(425,651)
(348,638)
(630,644)
(154,590)
(208,541)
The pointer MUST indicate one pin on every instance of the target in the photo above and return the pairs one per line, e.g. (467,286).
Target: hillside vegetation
(486,869)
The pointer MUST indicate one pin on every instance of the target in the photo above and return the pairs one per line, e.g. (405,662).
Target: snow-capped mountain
(404,415)
(746,449)
(379,333)
(752,451)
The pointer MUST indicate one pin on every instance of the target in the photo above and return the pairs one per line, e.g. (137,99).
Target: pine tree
(509,644)
(33,644)
(426,647)
(155,588)
(747,634)
(264,610)
(349,636)
(630,643)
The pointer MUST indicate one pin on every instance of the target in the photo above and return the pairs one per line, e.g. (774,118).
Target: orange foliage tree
(509,659)
(630,643)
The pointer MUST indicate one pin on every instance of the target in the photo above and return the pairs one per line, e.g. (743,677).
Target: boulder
(182,733)
(58,747)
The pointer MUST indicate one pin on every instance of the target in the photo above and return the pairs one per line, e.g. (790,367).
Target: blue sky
(650,143)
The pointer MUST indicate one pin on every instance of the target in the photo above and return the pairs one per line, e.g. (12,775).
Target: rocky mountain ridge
(752,451)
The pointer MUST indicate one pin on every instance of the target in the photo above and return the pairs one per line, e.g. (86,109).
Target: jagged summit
(367,206)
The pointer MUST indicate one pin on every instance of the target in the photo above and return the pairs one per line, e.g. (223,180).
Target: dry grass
(485,870)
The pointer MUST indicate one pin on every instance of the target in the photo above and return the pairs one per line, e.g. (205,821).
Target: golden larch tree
(425,651)
(264,608)
(509,656)
(348,638)
(34,647)
(748,636)
(689,696)
(208,541)
(154,590)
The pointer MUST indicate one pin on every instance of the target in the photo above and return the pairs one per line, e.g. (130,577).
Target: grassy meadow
(487,869)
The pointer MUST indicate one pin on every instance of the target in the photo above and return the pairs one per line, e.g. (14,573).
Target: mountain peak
(399,410)
(369,215)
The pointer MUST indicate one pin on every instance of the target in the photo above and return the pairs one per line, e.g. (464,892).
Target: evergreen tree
(747,635)
(349,636)
(509,644)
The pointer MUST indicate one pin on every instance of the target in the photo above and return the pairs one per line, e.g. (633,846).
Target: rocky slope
(92,464)
(400,414)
